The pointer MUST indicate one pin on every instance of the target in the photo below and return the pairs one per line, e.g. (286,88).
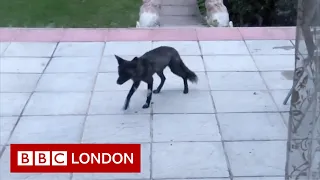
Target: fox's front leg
(134,87)
(149,95)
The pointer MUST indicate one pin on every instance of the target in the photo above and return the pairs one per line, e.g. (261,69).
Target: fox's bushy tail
(191,76)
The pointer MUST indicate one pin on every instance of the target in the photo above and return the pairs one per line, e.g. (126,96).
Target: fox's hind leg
(177,70)
(163,79)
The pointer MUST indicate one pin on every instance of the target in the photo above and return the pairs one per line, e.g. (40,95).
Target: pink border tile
(78,35)
(270,33)
(133,34)
(128,35)
(8,34)
(174,35)
(210,34)
(39,35)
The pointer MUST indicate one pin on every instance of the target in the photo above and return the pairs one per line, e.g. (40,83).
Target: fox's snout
(120,81)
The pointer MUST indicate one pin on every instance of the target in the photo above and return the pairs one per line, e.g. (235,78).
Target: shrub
(258,12)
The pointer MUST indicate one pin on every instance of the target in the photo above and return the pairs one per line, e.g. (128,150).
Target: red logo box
(75,158)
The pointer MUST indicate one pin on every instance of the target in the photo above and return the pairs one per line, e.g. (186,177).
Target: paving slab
(111,102)
(181,160)
(6,126)
(3,46)
(18,82)
(267,47)
(184,48)
(117,129)
(252,126)
(48,129)
(278,80)
(237,101)
(66,82)
(58,103)
(274,62)
(177,102)
(123,48)
(229,63)
(12,104)
(243,101)
(22,65)
(223,48)
(79,49)
(236,81)
(257,158)
(30,49)
(73,64)
(167,127)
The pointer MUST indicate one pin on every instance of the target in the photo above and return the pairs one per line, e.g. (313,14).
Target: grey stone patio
(232,123)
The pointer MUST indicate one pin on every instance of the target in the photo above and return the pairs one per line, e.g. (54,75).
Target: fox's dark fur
(144,67)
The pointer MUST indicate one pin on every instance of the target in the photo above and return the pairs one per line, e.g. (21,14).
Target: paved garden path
(180,13)
(59,86)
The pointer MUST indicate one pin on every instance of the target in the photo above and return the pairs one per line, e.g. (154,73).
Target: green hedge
(259,12)
(202,7)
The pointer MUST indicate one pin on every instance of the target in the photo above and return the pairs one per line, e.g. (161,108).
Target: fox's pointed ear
(135,59)
(119,59)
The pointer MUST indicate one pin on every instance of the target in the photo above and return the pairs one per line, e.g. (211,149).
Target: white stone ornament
(217,14)
(149,15)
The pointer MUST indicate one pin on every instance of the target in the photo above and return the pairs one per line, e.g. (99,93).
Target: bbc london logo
(75,158)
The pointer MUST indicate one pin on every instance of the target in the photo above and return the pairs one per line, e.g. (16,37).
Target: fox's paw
(125,106)
(145,106)
(185,91)
(156,91)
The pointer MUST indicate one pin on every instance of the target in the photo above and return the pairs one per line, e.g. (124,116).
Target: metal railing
(303,150)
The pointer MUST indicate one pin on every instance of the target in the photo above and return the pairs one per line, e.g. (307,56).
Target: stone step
(166,21)
(179,10)
(180,13)
(165,26)
(179,2)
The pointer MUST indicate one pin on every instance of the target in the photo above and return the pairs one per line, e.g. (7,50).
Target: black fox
(154,61)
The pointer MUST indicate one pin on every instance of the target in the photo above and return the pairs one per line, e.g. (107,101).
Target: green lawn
(69,13)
